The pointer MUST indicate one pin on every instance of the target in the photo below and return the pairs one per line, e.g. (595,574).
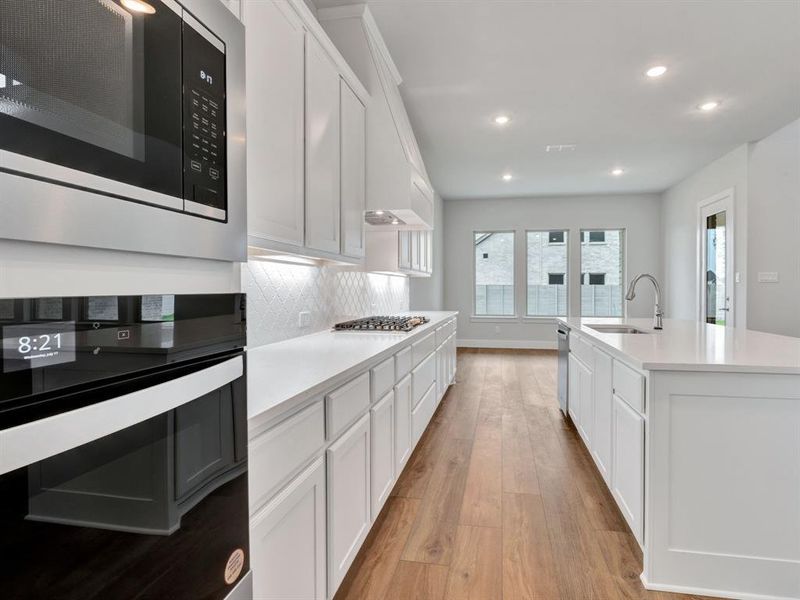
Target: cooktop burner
(384,323)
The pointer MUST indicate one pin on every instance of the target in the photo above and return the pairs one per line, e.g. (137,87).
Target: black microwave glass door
(92,86)
(156,511)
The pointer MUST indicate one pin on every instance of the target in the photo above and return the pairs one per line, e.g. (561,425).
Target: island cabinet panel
(627,475)
(603,409)
(586,384)
(288,540)
(349,497)
(402,424)
(382,430)
(574,390)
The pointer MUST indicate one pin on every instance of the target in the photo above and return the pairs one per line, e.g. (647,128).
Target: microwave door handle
(31,442)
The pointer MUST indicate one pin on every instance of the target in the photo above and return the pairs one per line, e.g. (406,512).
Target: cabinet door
(603,406)
(423,251)
(586,383)
(353,172)
(381,458)
(287,540)
(275,123)
(404,241)
(429,252)
(322,149)
(348,499)
(415,256)
(402,424)
(574,390)
(627,474)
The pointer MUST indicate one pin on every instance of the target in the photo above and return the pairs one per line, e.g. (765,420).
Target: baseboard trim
(699,591)
(511,344)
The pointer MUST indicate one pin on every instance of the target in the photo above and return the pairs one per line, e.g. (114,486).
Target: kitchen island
(696,430)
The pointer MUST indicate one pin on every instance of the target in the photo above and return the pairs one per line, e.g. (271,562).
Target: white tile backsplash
(278,292)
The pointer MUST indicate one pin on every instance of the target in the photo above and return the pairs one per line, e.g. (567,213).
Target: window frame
(490,317)
(566,244)
(623,248)
(550,276)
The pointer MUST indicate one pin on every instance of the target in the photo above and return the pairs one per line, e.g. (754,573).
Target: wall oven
(123,448)
(121,125)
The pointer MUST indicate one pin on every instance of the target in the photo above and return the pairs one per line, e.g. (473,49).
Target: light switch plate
(304,319)
(768,277)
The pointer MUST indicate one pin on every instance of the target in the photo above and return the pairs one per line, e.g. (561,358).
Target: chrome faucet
(658,313)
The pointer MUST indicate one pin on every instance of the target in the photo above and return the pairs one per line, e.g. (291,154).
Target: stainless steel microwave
(122,125)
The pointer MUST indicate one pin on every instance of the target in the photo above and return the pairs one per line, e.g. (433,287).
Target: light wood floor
(500,500)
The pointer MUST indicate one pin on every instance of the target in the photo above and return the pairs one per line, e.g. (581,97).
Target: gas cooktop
(382,323)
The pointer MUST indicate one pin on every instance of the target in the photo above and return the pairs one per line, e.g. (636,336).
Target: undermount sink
(627,329)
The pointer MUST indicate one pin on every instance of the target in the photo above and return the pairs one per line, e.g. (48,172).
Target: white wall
(29,269)
(427,293)
(638,214)
(679,226)
(774,229)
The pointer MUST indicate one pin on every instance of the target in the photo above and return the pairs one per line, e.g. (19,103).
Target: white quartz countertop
(694,346)
(284,374)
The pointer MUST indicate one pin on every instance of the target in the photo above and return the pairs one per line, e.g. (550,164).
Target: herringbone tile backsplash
(278,292)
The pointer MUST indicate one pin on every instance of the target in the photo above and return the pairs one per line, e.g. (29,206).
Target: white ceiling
(572,72)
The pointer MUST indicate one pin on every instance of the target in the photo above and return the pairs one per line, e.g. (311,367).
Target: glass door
(716,270)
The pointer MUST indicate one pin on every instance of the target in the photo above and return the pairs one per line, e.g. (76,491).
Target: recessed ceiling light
(656,71)
(139,6)
(502,119)
(617,172)
(378,212)
(710,105)
(507,176)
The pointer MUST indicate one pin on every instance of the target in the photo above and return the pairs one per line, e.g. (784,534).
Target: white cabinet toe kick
(704,466)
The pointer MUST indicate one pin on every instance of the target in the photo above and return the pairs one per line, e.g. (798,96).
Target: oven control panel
(204,144)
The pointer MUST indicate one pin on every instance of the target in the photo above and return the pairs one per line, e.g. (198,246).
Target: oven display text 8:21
(36,345)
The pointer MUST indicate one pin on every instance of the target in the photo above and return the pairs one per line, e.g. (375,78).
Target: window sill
(541,320)
(494,318)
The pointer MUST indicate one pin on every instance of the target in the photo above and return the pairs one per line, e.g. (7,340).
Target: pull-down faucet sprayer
(658,313)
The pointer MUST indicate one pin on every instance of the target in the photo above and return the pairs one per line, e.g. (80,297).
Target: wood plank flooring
(500,501)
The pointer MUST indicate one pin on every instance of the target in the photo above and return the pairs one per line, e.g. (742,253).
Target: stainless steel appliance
(563,367)
(122,125)
(123,448)
(382,323)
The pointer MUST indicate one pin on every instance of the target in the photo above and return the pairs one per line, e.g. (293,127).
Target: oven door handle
(31,442)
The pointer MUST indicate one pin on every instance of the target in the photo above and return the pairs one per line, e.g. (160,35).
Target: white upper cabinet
(353,162)
(275,123)
(323,151)
(406,252)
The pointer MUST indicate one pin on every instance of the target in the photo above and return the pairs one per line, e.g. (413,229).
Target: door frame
(725,201)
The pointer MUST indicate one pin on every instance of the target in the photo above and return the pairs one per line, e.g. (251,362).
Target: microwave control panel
(204,144)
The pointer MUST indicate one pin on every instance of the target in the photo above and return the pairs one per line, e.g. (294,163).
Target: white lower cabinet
(402,423)
(574,390)
(627,475)
(603,406)
(348,499)
(586,383)
(288,540)
(382,430)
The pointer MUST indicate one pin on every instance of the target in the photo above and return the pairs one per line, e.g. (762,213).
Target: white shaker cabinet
(403,403)
(348,499)
(382,430)
(288,540)
(353,174)
(574,389)
(323,175)
(415,251)
(404,250)
(275,122)
(603,408)
(627,475)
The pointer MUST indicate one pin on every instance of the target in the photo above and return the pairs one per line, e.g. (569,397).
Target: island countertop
(684,345)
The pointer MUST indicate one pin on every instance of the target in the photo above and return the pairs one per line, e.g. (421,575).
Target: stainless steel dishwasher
(563,367)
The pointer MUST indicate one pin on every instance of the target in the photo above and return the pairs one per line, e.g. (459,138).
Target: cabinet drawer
(451,327)
(441,334)
(421,415)
(629,385)
(382,379)
(283,450)
(422,348)
(346,403)
(402,363)
(422,377)
(582,349)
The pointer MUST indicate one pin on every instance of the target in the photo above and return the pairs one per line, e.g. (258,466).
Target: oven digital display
(36,345)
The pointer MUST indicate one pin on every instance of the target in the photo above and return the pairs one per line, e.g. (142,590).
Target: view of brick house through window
(547,273)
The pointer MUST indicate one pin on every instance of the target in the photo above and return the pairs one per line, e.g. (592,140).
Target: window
(594,237)
(546,255)
(494,273)
(603,270)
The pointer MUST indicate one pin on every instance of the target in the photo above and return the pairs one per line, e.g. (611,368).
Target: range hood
(398,192)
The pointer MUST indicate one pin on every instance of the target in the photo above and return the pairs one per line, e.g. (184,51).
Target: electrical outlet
(304,319)
(768,277)
(497,328)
